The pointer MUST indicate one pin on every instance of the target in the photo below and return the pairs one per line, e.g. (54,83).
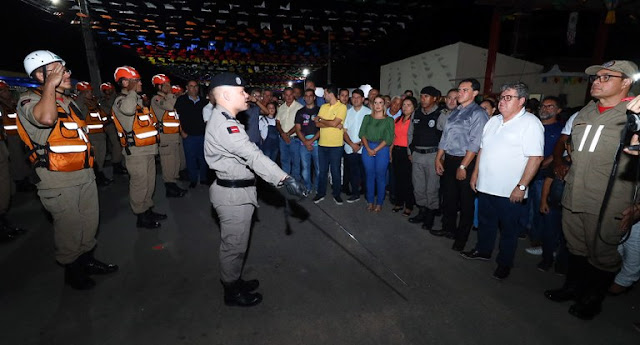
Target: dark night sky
(540,38)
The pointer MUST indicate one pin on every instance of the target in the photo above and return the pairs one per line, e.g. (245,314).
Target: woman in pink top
(401,160)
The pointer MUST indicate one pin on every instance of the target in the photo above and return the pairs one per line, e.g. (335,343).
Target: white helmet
(40,58)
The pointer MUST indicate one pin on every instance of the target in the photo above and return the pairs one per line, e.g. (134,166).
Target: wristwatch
(462,166)
(522,187)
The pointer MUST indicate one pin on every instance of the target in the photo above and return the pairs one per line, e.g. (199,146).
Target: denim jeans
(630,252)
(329,156)
(375,169)
(498,212)
(537,227)
(290,157)
(194,155)
(356,171)
(305,158)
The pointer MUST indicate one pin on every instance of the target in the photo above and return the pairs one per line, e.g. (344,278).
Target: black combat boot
(173,191)
(93,266)
(246,285)
(118,169)
(429,218)
(75,275)
(10,229)
(102,180)
(574,281)
(156,216)
(236,295)
(145,220)
(590,303)
(419,218)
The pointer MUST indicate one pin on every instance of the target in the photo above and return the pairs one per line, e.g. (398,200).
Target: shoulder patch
(25,101)
(233,129)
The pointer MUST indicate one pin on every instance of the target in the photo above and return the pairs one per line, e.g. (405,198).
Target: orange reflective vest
(95,120)
(67,148)
(9,123)
(144,130)
(170,123)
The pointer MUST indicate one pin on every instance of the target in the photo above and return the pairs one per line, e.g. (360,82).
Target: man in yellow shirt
(330,120)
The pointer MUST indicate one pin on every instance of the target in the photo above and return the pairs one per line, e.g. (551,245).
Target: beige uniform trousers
(99,145)
(169,148)
(142,181)
(235,228)
(114,143)
(76,214)
(5,178)
(20,168)
(580,232)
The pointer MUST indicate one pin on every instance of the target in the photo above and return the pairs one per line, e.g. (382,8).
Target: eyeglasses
(508,98)
(604,78)
(66,70)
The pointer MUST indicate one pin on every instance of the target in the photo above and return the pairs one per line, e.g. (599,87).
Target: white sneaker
(534,250)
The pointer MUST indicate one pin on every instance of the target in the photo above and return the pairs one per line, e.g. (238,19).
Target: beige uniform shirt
(160,103)
(229,152)
(106,103)
(39,134)
(124,108)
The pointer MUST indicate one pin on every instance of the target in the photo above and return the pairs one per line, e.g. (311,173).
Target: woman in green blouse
(376,134)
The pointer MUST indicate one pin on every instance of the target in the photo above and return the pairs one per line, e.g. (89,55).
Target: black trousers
(457,195)
(402,174)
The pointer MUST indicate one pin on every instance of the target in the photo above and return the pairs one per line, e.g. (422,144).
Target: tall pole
(494,41)
(329,66)
(90,47)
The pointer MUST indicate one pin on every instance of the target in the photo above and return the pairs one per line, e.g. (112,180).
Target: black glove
(295,188)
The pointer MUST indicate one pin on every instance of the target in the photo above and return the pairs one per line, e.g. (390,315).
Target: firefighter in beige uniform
(106,103)
(8,231)
(20,170)
(95,119)
(162,106)
(51,126)
(236,160)
(595,135)
(139,139)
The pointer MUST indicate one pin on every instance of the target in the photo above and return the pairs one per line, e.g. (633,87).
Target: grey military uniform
(229,152)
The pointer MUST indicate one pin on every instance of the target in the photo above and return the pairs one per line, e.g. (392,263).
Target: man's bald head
(232,98)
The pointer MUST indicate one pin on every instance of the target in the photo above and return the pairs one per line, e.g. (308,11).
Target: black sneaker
(353,198)
(545,266)
(338,200)
(318,198)
(475,255)
(502,272)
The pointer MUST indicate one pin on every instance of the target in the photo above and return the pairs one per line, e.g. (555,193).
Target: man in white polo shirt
(511,151)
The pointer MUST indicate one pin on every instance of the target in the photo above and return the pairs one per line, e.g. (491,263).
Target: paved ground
(317,287)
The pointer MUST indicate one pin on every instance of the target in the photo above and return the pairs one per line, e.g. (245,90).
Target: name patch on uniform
(233,129)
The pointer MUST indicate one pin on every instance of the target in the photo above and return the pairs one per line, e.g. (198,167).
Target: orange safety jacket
(96,120)
(170,123)
(9,123)
(67,148)
(144,130)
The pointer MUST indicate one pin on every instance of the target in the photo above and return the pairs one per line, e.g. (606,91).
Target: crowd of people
(494,164)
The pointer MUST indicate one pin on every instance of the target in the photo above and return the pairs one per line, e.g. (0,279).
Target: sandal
(369,207)
(396,209)
(407,212)
(377,209)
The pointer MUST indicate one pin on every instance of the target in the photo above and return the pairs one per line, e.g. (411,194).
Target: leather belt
(425,151)
(236,183)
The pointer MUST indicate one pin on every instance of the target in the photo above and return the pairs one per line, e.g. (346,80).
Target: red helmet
(175,89)
(3,84)
(106,86)
(126,72)
(83,86)
(159,79)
